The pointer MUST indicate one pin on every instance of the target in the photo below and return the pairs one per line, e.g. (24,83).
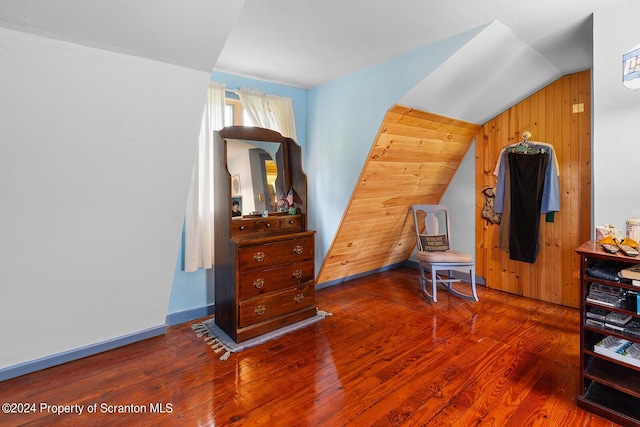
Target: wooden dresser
(275,282)
(264,265)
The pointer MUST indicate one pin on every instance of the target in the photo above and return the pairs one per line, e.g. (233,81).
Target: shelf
(622,285)
(624,378)
(628,306)
(610,387)
(611,404)
(609,332)
(608,307)
(593,250)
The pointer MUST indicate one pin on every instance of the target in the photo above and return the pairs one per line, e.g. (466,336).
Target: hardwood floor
(386,357)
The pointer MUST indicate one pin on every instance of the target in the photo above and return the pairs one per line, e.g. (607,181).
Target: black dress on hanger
(527,175)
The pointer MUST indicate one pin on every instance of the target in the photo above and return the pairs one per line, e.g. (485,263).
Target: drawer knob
(298,249)
(258,283)
(297,273)
(268,225)
(259,256)
(260,309)
(241,227)
(291,221)
(298,298)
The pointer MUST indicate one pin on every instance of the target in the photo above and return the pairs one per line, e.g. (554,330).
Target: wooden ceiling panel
(413,159)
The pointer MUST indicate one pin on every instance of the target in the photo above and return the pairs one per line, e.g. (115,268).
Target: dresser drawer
(259,309)
(257,282)
(267,224)
(273,254)
(240,227)
(291,222)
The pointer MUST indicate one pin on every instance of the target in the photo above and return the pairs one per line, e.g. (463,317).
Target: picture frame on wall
(236,207)
(235,185)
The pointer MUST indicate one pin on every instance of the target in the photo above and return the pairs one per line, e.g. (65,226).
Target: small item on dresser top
(630,242)
(633,228)
(609,244)
(629,247)
(607,230)
(608,247)
(628,250)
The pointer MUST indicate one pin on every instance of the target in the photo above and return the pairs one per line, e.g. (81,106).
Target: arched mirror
(257,160)
(257,176)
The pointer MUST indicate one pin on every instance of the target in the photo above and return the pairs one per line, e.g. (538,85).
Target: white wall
(95,161)
(461,199)
(616,118)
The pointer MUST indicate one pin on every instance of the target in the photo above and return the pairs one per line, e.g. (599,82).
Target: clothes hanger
(524,146)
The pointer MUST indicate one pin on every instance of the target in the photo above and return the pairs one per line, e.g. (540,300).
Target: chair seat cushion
(443,256)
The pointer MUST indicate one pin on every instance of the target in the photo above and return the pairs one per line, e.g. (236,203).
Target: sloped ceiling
(301,43)
(340,37)
(413,159)
(189,33)
(492,72)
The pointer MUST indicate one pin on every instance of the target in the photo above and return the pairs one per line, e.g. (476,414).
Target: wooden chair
(434,254)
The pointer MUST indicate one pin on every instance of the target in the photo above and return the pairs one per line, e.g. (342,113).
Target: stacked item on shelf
(619,349)
(607,270)
(596,316)
(632,329)
(631,273)
(605,295)
(612,296)
(617,321)
(633,302)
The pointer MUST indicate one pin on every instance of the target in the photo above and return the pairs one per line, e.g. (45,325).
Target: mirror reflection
(257,176)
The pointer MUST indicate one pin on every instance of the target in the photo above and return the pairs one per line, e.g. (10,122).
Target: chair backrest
(431,220)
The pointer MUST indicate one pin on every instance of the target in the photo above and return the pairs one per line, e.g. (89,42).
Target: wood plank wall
(413,159)
(559,114)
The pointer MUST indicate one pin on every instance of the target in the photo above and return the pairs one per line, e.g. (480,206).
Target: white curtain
(282,115)
(256,105)
(269,111)
(199,238)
